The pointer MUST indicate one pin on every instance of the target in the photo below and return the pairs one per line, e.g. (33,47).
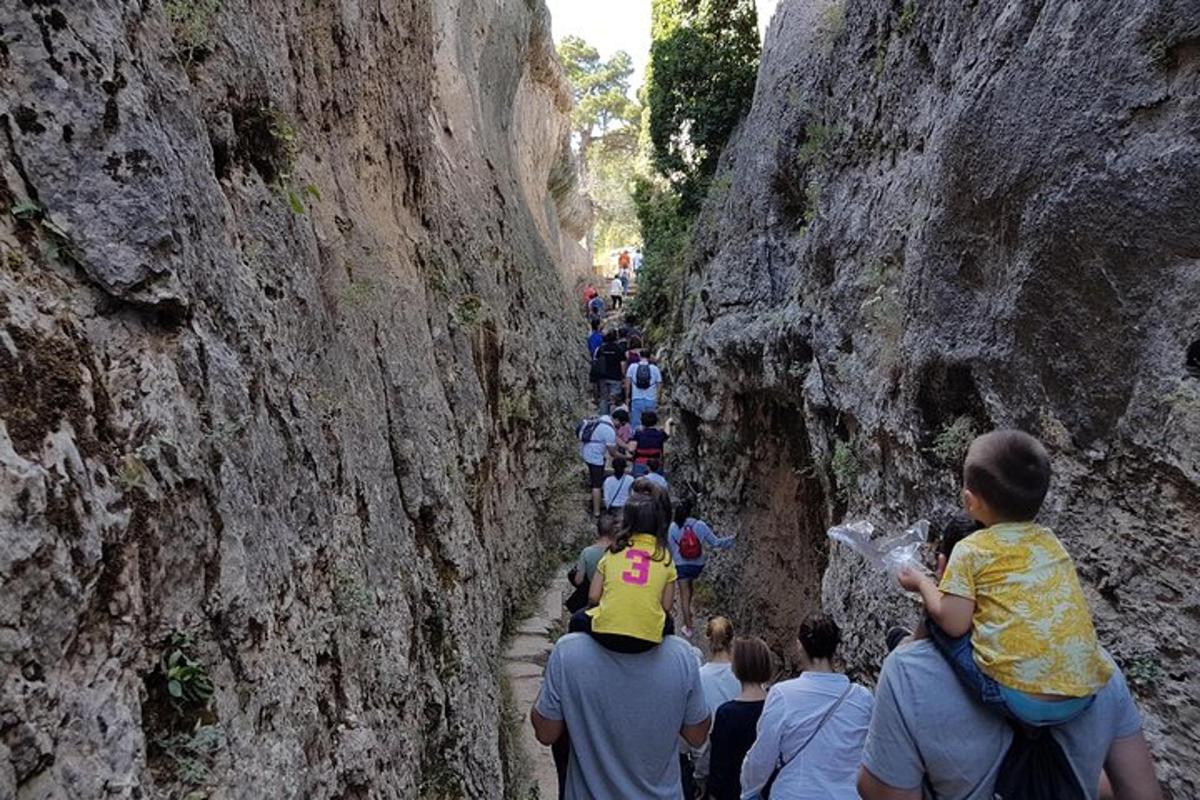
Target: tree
(703,66)
(601,90)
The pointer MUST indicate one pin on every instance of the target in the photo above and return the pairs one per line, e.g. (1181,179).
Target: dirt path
(524,658)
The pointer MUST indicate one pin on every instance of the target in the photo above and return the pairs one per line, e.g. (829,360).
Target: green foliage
(27,211)
(187,681)
(296,198)
(600,89)
(350,596)
(130,473)
(908,18)
(610,185)
(359,292)
(516,407)
(295,203)
(833,22)
(883,309)
(845,467)
(191,26)
(190,758)
(666,231)
(818,142)
(812,200)
(703,66)
(1143,671)
(951,443)
(286,143)
(605,122)
(469,311)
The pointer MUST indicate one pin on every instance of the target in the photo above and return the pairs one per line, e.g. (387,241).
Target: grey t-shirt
(623,714)
(589,559)
(924,722)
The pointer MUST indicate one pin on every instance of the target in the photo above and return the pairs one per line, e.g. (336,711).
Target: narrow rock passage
(524,658)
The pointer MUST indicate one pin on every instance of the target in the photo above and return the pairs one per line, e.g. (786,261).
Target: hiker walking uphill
(597,441)
(643,388)
(688,537)
(609,360)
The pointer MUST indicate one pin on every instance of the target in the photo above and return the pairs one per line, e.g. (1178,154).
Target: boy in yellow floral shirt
(1009,613)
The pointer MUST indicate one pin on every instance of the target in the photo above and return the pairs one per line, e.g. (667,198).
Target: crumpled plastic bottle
(886,554)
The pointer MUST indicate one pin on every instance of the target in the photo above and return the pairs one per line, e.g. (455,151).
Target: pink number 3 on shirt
(639,571)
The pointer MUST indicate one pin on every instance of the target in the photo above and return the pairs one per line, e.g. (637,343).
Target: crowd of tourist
(1001,691)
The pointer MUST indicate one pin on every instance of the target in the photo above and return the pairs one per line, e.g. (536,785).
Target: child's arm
(597,587)
(668,597)
(712,540)
(951,612)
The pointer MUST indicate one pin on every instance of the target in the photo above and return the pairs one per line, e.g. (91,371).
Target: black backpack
(588,427)
(1036,768)
(641,378)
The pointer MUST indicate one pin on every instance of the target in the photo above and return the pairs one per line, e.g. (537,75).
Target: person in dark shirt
(736,721)
(611,357)
(648,443)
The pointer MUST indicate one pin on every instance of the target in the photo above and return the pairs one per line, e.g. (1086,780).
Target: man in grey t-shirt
(926,731)
(625,713)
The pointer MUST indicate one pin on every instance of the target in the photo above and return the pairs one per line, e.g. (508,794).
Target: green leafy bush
(845,468)
(951,443)
(187,680)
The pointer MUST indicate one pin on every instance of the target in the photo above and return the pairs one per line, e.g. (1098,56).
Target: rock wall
(939,218)
(282,288)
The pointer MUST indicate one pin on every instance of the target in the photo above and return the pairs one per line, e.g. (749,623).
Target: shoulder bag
(765,792)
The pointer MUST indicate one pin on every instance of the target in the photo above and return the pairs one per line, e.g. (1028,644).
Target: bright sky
(619,25)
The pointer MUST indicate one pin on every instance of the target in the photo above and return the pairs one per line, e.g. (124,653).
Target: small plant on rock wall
(349,594)
(908,18)
(191,27)
(845,467)
(187,680)
(189,757)
(469,311)
(1143,671)
(516,407)
(951,443)
(833,23)
(130,474)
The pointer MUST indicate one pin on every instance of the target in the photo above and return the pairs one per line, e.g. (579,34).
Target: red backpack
(689,544)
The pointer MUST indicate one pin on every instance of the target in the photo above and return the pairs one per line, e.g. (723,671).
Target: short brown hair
(1010,471)
(751,660)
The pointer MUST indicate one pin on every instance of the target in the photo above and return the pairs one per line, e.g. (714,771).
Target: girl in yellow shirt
(634,585)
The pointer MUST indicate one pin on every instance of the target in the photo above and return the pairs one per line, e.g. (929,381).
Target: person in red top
(648,444)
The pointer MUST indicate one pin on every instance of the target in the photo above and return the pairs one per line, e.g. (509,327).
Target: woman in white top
(814,725)
(616,486)
(616,291)
(717,680)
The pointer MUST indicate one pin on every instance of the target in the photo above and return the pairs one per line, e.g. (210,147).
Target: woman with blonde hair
(717,680)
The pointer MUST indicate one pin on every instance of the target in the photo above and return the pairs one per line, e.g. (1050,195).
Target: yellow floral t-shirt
(1032,630)
(634,580)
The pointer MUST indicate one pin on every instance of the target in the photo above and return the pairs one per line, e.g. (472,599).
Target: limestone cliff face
(281,300)
(940,218)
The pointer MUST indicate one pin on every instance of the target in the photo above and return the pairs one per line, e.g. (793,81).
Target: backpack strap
(816,730)
(620,485)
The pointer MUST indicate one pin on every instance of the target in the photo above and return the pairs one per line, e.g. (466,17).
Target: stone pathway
(524,658)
